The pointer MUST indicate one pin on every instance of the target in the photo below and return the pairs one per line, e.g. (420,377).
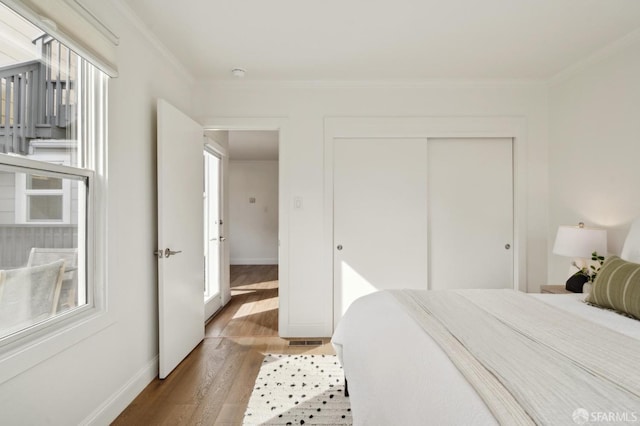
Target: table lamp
(579,242)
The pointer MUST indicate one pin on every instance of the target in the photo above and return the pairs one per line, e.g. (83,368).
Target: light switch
(297,202)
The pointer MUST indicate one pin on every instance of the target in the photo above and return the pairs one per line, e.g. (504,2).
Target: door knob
(222,238)
(169,252)
(507,246)
(339,247)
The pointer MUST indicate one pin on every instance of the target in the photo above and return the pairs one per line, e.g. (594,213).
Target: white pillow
(631,248)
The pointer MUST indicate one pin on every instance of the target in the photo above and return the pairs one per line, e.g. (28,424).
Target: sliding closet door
(470,190)
(380,210)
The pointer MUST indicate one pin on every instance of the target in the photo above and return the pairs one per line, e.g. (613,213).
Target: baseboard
(114,405)
(254,261)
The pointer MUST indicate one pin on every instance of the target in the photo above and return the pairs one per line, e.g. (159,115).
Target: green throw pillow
(617,286)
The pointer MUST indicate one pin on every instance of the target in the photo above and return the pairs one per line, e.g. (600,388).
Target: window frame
(86,236)
(24,350)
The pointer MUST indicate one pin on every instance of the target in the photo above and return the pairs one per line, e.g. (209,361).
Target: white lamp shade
(574,241)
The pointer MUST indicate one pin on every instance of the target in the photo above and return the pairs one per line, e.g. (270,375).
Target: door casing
(281,125)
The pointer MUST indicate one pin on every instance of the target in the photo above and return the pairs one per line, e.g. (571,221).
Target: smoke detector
(238,72)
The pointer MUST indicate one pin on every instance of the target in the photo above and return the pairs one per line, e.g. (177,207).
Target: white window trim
(74,326)
(22,351)
(16,164)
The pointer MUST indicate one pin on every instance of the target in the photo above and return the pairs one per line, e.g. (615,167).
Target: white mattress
(398,375)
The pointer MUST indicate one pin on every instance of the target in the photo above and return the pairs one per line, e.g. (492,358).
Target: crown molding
(371,84)
(596,57)
(150,36)
(82,10)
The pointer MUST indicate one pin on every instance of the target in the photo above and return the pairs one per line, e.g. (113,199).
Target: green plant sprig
(592,271)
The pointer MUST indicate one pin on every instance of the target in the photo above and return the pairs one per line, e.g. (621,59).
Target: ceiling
(253,145)
(375,40)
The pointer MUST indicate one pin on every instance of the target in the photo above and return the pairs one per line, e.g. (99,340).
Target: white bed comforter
(398,375)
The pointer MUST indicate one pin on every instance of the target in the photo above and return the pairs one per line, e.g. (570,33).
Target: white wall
(253,227)
(97,377)
(594,149)
(307,301)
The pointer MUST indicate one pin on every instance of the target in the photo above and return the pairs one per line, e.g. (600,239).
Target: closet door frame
(431,127)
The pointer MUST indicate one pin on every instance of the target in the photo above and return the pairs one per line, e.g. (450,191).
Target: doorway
(253,197)
(242,229)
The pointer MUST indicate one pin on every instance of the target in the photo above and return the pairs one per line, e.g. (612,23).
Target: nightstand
(554,289)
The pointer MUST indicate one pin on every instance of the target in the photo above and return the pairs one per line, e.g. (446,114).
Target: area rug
(299,390)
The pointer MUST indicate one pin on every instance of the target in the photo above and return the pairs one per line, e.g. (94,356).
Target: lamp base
(576,282)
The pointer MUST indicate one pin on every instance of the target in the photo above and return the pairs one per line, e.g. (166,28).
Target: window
(51,138)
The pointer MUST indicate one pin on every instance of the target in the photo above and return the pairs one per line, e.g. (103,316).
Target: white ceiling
(384,39)
(250,145)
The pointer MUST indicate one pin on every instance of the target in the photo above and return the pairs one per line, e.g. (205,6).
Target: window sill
(20,356)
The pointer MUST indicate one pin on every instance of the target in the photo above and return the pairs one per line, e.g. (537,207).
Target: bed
(398,373)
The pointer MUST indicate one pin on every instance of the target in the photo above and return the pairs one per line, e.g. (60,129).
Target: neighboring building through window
(51,119)
(42,199)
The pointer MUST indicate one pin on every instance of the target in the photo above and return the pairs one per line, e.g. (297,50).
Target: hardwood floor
(213,384)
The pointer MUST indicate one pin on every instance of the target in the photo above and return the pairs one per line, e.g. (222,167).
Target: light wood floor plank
(213,384)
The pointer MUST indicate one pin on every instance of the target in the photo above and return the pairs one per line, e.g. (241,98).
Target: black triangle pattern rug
(299,390)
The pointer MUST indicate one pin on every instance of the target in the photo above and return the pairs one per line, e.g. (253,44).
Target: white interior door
(213,232)
(180,231)
(380,210)
(470,190)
